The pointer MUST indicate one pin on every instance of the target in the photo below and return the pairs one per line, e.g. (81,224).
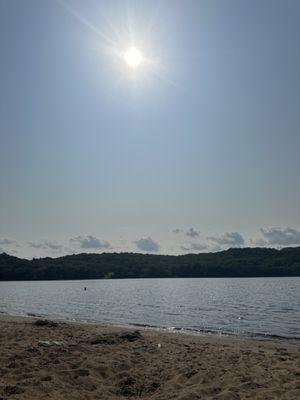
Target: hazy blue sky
(197,149)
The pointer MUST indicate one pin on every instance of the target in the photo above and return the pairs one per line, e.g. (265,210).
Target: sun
(133,57)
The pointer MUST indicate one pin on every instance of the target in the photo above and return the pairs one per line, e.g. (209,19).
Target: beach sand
(104,362)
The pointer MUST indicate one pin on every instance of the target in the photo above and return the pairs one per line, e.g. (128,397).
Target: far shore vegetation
(237,262)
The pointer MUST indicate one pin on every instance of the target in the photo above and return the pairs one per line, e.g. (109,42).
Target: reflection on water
(250,306)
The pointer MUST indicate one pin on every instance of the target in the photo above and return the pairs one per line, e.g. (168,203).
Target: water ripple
(262,307)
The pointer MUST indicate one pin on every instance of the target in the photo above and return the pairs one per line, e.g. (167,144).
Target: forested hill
(245,262)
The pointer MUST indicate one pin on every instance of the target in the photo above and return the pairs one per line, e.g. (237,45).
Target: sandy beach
(83,361)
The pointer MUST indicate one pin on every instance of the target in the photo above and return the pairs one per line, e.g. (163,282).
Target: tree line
(242,262)
(236,262)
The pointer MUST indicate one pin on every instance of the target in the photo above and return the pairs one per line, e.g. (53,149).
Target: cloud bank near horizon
(271,237)
(147,244)
(90,242)
(282,237)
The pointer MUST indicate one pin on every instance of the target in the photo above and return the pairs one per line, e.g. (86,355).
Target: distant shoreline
(163,277)
(232,263)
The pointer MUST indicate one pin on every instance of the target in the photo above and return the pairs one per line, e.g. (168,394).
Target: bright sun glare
(133,57)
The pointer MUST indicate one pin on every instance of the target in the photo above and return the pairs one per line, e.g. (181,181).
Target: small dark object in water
(85,288)
(45,322)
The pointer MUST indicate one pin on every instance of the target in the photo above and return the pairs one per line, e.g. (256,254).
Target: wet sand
(103,362)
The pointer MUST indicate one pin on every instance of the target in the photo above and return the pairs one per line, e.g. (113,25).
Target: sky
(197,149)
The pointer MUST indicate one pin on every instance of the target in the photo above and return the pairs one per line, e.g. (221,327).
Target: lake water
(244,306)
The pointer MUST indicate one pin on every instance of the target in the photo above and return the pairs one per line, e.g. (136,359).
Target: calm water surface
(243,306)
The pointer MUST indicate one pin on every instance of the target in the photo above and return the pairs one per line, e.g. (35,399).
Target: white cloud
(9,252)
(147,244)
(194,247)
(192,232)
(233,239)
(185,248)
(90,242)
(282,237)
(176,230)
(198,246)
(259,242)
(7,241)
(47,245)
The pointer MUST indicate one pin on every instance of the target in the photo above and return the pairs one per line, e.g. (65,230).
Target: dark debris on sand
(110,339)
(45,322)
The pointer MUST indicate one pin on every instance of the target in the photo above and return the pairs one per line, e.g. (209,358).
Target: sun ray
(85,21)
(139,55)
